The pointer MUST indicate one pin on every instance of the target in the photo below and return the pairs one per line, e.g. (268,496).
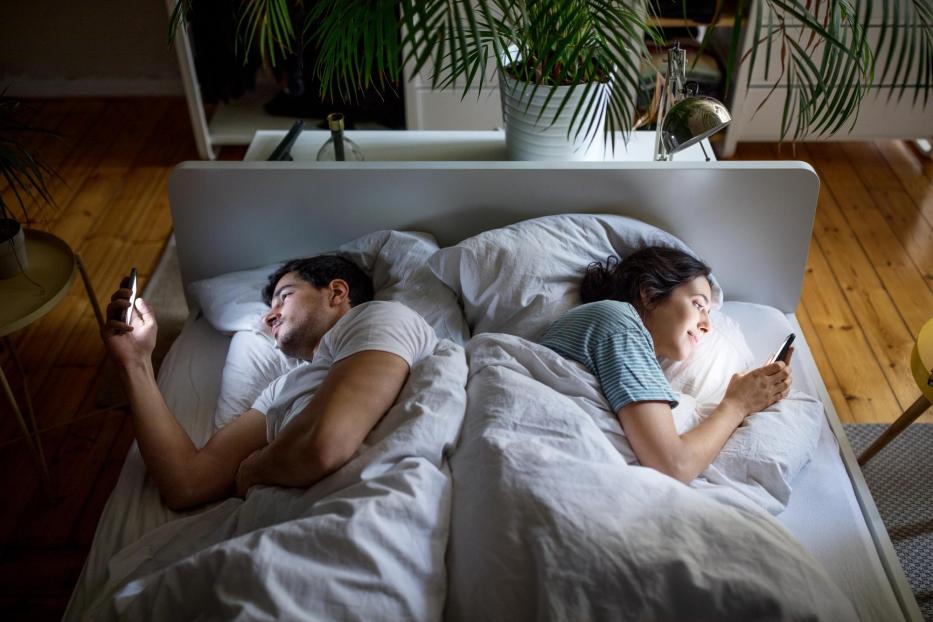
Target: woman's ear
(644,300)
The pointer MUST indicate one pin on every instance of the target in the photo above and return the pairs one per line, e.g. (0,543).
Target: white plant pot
(528,137)
(12,248)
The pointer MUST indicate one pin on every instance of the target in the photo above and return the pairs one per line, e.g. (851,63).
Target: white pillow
(765,454)
(252,363)
(520,278)
(232,303)
(397,261)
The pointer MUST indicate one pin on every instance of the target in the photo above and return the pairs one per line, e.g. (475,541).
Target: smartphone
(784,350)
(133,286)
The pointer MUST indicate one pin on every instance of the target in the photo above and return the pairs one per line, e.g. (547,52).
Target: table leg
(32,437)
(910,415)
(90,291)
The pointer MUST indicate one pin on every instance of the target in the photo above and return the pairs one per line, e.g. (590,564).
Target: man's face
(299,315)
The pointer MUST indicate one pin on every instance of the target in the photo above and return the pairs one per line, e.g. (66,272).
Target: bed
(236,216)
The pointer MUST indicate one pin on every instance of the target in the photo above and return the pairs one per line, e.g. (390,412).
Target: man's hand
(246,474)
(129,344)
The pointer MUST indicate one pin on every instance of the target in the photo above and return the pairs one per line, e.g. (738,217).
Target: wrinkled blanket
(550,522)
(365,543)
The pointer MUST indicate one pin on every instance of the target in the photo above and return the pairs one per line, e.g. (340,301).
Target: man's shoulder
(384,310)
(379,320)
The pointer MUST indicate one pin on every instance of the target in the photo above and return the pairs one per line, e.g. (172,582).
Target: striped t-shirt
(610,340)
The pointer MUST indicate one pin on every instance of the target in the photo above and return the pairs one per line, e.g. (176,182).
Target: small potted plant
(25,175)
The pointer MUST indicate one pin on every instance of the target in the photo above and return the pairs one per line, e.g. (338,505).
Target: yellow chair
(921,364)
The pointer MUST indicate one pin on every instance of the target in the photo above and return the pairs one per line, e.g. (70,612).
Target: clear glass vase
(338,147)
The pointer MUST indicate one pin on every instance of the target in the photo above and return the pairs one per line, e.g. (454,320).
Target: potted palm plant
(25,175)
(574,64)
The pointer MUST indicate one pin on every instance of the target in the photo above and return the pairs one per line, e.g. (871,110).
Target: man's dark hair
(656,270)
(320,271)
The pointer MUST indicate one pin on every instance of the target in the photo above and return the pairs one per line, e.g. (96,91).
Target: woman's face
(678,323)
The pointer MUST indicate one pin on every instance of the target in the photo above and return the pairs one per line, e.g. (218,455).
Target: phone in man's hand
(133,288)
(784,351)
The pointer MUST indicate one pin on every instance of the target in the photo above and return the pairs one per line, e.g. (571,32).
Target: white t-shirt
(378,325)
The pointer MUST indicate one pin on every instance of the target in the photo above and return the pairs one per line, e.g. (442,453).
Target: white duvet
(549,520)
(368,542)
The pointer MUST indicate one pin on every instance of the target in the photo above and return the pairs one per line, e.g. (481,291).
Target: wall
(90,47)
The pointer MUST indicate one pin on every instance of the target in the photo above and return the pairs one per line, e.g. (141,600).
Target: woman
(656,303)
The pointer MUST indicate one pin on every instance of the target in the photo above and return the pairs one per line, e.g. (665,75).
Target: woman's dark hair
(654,270)
(320,271)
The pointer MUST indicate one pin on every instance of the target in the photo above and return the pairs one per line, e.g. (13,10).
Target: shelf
(674,22)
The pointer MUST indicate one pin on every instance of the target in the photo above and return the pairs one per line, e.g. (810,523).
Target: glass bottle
(338,147)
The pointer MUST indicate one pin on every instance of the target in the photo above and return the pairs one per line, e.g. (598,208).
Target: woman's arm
(650,429)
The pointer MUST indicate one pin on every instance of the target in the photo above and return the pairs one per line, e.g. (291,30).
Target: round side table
(26,298)
(921,364)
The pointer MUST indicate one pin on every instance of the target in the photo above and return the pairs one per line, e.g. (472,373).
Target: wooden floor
(867,291)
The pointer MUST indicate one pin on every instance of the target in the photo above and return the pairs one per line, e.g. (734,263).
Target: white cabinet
(448,109)
(884,112)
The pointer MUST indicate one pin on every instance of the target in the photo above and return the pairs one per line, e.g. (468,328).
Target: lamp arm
(676,77)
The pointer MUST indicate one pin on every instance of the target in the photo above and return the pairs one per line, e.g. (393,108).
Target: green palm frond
(180,11)
(358,44)
(267,24)
(26,173)
(829,52)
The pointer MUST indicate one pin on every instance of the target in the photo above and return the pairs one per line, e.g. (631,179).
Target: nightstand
(26,298)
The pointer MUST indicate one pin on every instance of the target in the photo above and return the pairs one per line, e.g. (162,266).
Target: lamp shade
(691,120)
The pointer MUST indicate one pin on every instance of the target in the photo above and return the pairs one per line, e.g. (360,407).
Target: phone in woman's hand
(784,351)
(133,286)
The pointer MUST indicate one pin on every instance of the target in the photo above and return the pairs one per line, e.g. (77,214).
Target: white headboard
(751,221)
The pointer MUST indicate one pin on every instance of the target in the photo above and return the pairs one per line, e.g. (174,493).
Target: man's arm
(353,397)
(185,476)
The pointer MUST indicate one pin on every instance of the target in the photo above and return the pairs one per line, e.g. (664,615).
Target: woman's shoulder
(609,310)
(601,317)
(593,322)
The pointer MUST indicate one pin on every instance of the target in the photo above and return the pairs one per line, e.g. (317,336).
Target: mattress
(823,513)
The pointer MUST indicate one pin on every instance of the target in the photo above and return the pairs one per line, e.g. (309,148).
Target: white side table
(424,145)
(26,298)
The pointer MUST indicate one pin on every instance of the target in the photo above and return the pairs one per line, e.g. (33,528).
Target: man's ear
(339,292)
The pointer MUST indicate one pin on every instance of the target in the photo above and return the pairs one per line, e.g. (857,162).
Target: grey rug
(900,478)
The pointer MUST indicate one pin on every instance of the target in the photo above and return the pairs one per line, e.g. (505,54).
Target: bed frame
(761,212)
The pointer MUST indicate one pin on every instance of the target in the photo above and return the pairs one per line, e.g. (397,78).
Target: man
(307,423)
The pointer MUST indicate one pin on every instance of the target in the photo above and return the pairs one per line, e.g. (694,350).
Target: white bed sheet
(823,513)
(190,381)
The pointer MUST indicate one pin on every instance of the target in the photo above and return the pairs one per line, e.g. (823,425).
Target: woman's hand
(757,389)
